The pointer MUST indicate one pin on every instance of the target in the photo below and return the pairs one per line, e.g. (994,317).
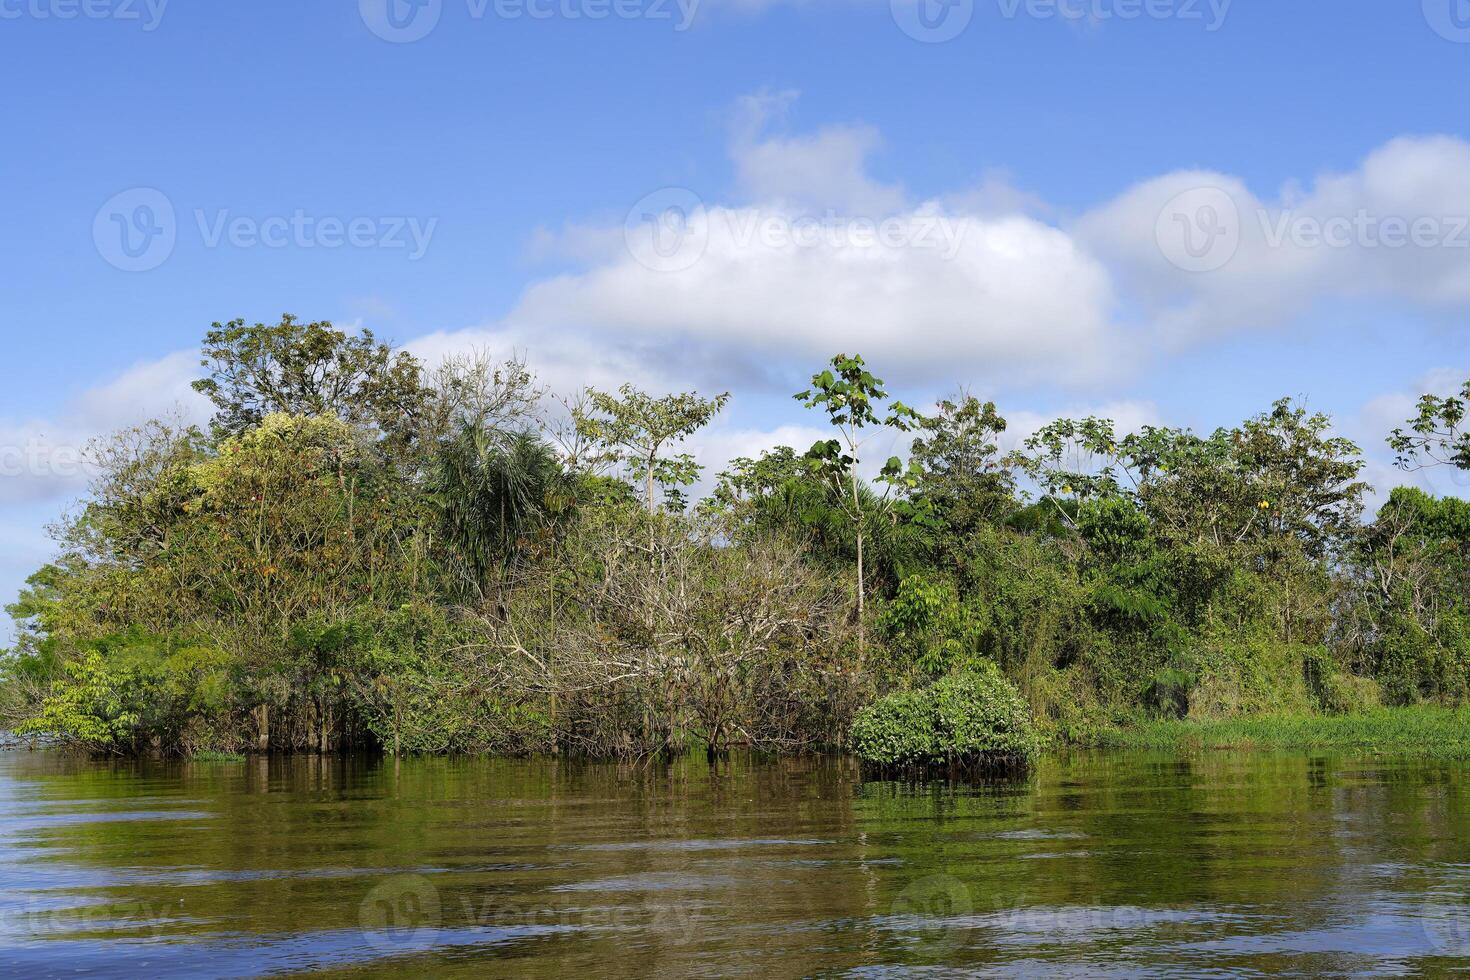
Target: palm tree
(496,491)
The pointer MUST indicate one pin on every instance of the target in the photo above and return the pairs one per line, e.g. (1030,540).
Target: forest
(360,551)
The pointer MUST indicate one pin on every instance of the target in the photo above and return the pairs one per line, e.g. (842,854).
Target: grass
(1419,731)
(209,755)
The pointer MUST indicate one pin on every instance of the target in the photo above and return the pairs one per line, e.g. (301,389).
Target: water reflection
(1099,865)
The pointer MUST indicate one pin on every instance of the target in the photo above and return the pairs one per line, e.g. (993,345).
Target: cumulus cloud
(44,458)
(826,169)
(1205,256)
(811,254)
(927,291)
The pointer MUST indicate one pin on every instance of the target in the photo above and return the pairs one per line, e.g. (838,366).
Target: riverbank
(1430,732)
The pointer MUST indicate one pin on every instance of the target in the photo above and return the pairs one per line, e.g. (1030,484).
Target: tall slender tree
(850,397)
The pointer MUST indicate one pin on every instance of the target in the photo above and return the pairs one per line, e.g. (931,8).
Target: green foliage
(362,554)
(633,427)
(967,718)
(962,478)
(500,497)
(849,395)
(1436,434)
(308,369)
(1427,731)
(131,691)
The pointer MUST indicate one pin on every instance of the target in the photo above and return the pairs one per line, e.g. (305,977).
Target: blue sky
(1053,138)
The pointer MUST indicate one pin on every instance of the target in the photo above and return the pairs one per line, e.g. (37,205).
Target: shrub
(1348,694)
(970,718)
(134,691)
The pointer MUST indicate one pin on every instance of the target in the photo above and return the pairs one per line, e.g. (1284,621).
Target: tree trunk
(649,489)
(262,728)
(862,633)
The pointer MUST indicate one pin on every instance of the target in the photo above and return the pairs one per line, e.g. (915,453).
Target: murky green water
(1221,865)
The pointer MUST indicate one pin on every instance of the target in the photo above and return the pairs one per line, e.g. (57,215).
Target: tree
(309,369)
(962,474)
(495,495)
(473,390)
(634,427)
(1307,479)
(1436,436)
(849,394)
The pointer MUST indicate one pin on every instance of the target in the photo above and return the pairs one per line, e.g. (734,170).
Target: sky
(1162,211)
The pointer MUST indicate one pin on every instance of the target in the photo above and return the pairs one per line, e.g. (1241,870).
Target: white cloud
(827,169)
(1397,227)
(943,296)
(44,458)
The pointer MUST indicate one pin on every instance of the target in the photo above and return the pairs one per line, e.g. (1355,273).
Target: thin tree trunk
(862,633)
(857,511)
(649,489)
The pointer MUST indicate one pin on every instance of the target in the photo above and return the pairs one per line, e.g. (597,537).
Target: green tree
(849,395)
(962,474)
(310,369)
(497,494)
(1436,435)
(634,428)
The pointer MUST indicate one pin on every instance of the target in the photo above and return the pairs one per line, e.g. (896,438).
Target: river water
(1098,865)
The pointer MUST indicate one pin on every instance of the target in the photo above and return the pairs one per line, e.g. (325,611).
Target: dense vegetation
(967,719)
(360,551)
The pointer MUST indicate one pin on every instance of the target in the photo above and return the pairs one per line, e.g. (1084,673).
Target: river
(1225,864)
